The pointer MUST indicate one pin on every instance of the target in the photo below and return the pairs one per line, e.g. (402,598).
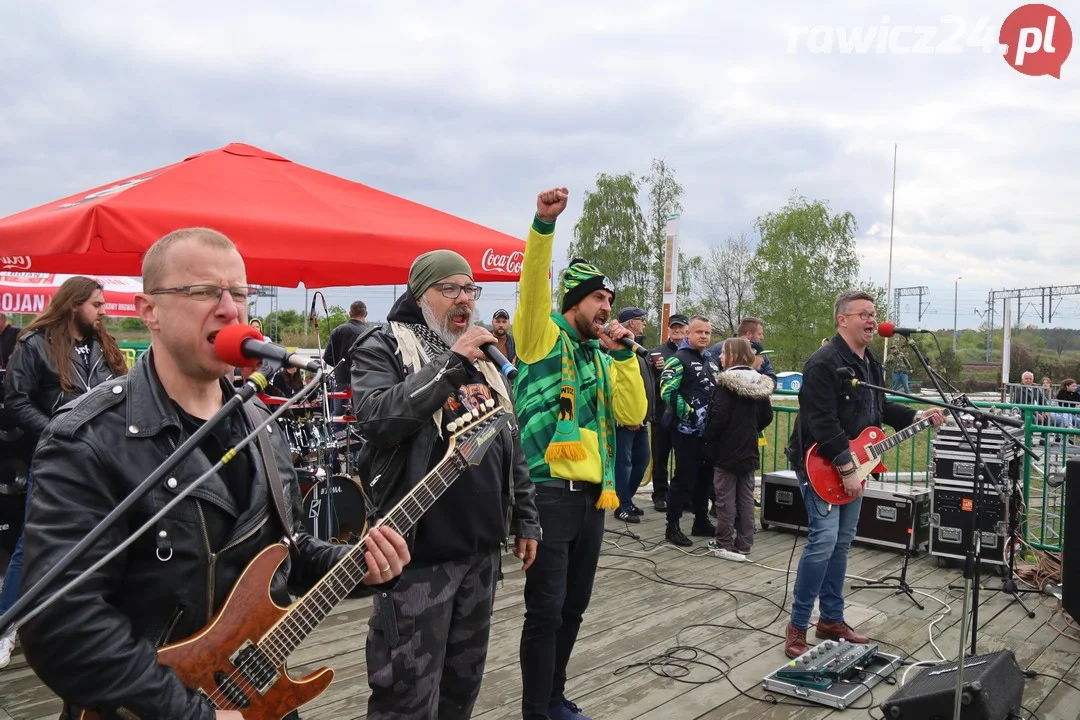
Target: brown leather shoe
(839,631)
(796,642)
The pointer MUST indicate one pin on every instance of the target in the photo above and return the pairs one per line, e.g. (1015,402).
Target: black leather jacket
(96,647)
(394,413)
(32,392)
(831,412)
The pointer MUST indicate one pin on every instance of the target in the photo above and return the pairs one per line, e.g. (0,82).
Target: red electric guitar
(866,451)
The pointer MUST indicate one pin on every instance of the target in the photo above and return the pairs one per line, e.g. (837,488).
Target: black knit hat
(580,280)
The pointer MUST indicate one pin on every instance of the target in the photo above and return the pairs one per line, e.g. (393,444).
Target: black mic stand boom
(32,596)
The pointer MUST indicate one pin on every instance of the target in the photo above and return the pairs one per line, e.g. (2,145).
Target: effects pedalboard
(834,673)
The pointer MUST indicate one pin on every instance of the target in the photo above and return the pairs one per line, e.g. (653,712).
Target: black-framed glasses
(452,291)
(206,293)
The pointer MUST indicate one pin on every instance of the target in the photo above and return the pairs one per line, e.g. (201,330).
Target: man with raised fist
(576,383)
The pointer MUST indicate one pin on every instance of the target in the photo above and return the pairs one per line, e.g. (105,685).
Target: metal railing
(1052,430)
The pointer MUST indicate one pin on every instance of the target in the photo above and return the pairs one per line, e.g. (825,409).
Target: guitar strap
(273,477)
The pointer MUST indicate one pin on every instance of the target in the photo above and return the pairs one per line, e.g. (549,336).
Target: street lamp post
(956,286)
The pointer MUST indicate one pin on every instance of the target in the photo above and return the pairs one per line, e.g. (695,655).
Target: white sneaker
(725,554)
(7,646)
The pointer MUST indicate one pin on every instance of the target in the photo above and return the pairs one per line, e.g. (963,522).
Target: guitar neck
(313,608)
(880,448)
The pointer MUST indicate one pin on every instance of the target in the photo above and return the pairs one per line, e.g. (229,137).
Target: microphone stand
(254,384)
(974,553)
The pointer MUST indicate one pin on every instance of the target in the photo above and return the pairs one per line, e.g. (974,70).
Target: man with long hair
(63,353)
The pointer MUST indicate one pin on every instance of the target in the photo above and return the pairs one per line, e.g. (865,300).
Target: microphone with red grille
(888,329)
(243,346)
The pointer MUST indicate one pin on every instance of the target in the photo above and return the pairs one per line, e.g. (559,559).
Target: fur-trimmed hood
(746,382)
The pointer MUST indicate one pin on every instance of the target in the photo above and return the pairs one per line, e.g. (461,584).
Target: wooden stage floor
(649,598)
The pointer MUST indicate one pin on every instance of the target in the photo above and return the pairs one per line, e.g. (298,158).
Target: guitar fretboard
(306,615)
(880,448)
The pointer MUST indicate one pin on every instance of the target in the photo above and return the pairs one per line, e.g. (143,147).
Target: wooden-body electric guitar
(238,661)
(866,451)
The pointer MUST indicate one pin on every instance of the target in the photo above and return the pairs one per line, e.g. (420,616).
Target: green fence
(1048,429)
(132,350)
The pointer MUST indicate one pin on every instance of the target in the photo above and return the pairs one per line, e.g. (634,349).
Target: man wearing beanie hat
(409,381)
(500,328)
(576,382)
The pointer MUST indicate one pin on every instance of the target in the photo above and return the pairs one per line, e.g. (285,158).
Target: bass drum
(334,510)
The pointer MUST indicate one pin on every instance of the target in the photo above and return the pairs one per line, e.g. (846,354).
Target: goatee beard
(442,327)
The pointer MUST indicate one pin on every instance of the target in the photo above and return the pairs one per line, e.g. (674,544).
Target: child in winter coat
(739,410)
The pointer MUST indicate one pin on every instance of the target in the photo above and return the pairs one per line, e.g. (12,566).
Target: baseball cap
(500,313)
(678,320)
(630,313)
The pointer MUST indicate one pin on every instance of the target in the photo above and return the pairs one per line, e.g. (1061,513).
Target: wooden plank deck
(728,617)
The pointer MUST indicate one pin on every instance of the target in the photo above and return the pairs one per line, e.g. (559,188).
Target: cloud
(475,106)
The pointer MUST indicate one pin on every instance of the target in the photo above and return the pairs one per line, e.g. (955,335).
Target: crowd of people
(589,416)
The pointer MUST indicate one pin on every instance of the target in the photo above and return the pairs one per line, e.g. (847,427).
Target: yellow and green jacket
(537,331)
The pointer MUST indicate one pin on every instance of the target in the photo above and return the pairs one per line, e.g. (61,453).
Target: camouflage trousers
(428,639)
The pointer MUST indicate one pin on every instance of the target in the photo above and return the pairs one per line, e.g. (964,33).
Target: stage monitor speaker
(1070,545)
(993,690)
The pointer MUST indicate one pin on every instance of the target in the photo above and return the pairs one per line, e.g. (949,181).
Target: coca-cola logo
(15,262)
(497,262)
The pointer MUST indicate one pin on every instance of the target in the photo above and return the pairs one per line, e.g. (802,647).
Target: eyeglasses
(863,315)
(452,291)
(206,293)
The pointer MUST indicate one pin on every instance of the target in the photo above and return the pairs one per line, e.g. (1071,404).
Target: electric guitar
(238,661)
(866,449)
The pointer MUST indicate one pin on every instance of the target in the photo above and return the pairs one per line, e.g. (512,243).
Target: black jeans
(693,478)
(661,451)
(557,591)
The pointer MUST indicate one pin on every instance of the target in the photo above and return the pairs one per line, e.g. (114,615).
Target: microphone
(847,377)
(243,346)
(628,343)
(312,315)
(887,329)
(505,366)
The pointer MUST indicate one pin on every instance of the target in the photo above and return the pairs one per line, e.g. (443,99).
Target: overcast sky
(472,107)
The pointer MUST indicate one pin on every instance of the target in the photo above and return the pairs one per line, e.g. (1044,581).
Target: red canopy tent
(31,292)
(291,223)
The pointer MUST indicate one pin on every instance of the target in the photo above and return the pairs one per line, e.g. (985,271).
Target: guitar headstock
(473,434)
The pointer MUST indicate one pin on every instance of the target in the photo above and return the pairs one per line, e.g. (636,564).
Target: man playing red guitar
(831,414)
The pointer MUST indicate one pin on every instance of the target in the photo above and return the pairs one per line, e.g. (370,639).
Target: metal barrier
(1053,428)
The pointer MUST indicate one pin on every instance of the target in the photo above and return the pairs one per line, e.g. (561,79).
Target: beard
(87,331)
(585,326)
(441,326)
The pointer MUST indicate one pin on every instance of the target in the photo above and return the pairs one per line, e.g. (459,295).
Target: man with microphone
(428,638)
(831,413)
(95,647)
(577,382)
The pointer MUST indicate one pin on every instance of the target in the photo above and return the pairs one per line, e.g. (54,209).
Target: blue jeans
(631,462)
(900,382)
(13,576)
(824,559)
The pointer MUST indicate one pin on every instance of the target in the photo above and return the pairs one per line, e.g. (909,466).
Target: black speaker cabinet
(993,690)
(1070,556)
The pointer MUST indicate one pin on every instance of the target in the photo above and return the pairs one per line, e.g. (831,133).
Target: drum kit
(333,503)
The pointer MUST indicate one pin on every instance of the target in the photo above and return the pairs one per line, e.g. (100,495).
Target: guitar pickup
(253,664)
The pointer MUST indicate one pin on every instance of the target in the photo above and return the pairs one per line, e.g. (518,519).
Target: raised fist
(550,203)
